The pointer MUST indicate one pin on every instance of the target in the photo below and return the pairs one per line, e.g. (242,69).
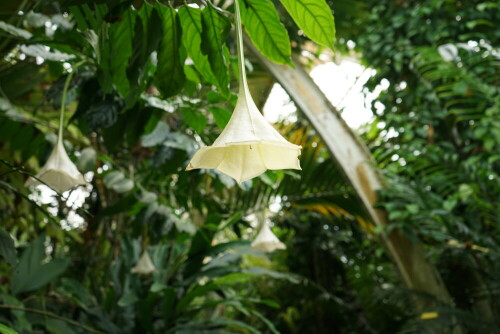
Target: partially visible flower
(144,265)
(59,172)
(249,145)
(266,241)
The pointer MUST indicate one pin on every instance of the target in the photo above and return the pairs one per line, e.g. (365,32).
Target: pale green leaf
(215,29)
(315,19)
(6,330)
(170,77)
(194,119)
(191,39)
(263,25)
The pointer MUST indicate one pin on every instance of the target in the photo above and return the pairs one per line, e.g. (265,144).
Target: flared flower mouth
(59,172)
(144,266)
(266,240)
(245,160)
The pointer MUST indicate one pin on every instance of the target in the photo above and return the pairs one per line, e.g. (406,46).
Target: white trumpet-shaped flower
(249,145)
(266,240)
(59,172)
(144,265)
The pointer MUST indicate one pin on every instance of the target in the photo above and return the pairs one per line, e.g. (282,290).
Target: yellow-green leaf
(263,25)
(315,19)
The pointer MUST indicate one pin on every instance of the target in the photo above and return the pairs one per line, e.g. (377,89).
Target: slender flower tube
(59,172)
(266,240)
(249,145)
(144,265)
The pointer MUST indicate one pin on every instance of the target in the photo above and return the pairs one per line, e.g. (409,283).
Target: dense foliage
(151,81)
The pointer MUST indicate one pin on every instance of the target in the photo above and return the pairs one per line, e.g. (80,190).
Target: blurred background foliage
(137,111)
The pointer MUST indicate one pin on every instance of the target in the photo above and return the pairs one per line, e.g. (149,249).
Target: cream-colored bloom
(144,265)
(249,145)
(266,241)
(59,172)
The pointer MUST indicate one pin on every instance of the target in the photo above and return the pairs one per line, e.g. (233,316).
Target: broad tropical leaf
(263,25)
(170,77)
(315,18)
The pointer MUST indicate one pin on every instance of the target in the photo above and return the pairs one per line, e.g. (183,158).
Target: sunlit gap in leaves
(342,84)
(74,199)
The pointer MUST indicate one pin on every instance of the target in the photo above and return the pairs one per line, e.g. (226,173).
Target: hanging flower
(249,145)
(59,172)
(266,241)
(144,266)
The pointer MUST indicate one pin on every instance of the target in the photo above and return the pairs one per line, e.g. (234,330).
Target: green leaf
(271,273)
(118,182)
(116,52)
(191,39)
(265,320)
(263,25)
(157,136)
(7,249)
(221,116)
(215,30)
(56,326)
(87,160)
(6,330)
(198,291)
(315,18)
(194,119)
(128,299)
(31,274)
(170,77)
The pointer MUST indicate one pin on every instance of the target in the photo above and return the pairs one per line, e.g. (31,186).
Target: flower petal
(144,265)
(266,241)
(59,172)
(243,161)
(57,179)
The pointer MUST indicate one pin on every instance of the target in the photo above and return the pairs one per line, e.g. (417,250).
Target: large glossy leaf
(263,25)
(314,17)
(31,274)
(147,36)
(170,77)
(215,30)
(115,54)
(191,39)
